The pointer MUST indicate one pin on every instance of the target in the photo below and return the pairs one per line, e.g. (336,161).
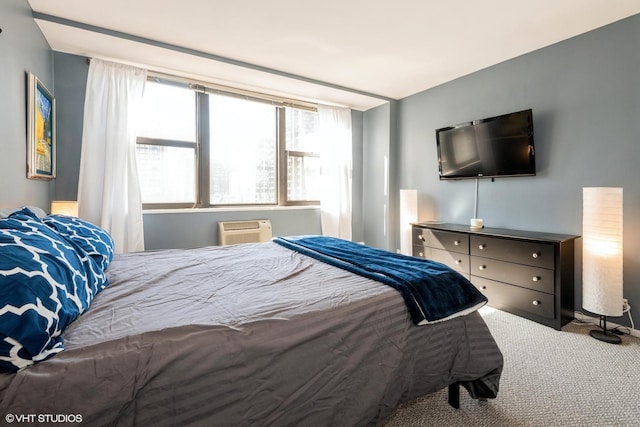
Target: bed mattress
(247,335)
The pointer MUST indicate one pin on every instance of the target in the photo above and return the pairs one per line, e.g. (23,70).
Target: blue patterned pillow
(95,241)
(45,283)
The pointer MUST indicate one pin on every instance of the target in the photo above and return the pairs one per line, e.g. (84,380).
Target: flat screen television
(495,147)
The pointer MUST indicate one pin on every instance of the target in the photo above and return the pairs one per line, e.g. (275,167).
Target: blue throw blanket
(432,291)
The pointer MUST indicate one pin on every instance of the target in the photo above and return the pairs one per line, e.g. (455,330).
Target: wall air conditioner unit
(251,231)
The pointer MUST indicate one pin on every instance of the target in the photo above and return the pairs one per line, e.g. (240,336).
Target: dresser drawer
(446,240)
(456,261)
(522,252)
(513,298)
(536,278)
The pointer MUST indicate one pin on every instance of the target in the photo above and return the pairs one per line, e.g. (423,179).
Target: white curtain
(108,188)
(336,169)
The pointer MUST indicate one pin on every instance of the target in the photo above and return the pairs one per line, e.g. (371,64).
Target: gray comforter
(247,335)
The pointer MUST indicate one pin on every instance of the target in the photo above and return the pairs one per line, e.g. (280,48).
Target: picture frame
(41,130)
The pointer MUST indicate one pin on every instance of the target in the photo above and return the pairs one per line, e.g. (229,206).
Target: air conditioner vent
(240,225)
(252,231)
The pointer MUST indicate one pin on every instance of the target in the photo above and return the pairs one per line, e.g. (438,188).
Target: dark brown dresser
(530,274)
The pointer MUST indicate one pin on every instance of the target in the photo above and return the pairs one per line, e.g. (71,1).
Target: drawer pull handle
(421,237)
(458,261)
(421,254)
(456,242)
(482,246)
(535,254)
(536,302)
(482,267)
(536,278)
(484,287)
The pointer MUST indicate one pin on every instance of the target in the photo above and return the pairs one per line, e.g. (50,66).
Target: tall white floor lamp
(602,256)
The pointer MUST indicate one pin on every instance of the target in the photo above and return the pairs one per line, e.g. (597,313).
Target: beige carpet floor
(550,378)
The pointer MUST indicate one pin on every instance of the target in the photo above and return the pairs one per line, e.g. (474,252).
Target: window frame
(284,160)
(203,148)
(159,142)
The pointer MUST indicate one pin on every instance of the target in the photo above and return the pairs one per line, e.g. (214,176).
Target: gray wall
(585,96)
(200,228)
(357,128)
(71,81)
(375,175)
(185,229)
(22,48)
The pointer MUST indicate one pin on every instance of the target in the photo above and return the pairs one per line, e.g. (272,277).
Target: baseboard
(610,325)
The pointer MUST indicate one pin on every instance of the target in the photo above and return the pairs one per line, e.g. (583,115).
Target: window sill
(229,209)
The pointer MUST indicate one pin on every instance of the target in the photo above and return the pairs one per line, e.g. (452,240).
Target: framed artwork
(41,130)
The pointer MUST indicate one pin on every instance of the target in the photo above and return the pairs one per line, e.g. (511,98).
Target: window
(198,149)
(302,158)
(166,150)
(243,151)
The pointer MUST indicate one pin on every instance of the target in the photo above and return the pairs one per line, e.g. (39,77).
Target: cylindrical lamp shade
(69,208)
(602,250)
(408,214)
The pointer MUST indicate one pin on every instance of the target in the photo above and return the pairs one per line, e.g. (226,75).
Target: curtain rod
(214,88)
(208,87)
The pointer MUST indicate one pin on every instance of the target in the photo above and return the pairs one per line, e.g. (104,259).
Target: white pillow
(36,210)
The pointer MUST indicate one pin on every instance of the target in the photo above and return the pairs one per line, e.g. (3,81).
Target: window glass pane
(167,174)
(303,171)
(243,151)
(302,130)
(303,178)
(168,112)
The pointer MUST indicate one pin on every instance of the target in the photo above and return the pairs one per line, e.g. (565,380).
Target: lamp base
(604,336)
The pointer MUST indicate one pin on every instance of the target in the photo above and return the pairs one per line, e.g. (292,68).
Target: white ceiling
(314,50)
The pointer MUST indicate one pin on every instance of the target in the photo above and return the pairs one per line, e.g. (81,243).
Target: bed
(243,335)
